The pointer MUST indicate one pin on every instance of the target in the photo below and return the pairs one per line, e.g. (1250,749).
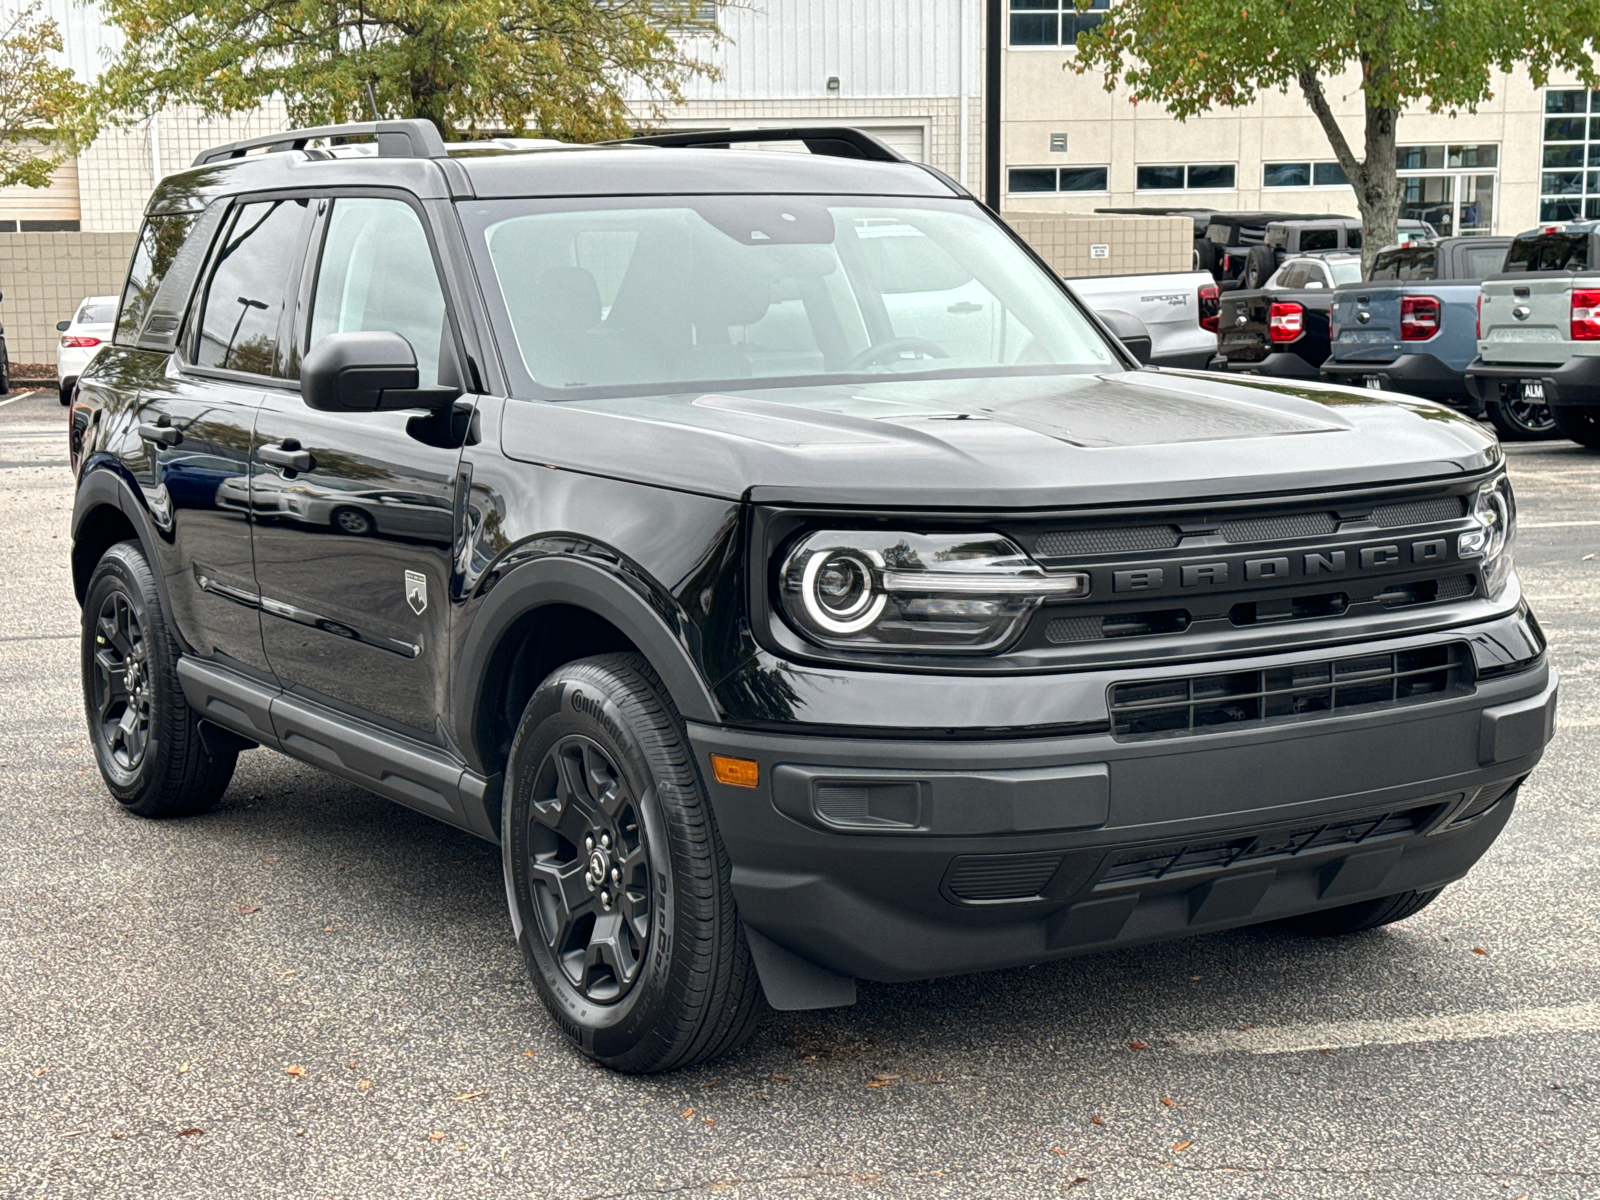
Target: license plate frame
(1373,383)
(1531,391)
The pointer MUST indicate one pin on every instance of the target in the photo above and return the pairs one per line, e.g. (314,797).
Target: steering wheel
(880,354)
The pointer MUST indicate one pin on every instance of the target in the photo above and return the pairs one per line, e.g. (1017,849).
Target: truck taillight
(75,342)
(1210,307)
(1585,315)
(1286,321)
(1419,318)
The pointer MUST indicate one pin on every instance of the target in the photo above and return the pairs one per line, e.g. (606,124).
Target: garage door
(906,140)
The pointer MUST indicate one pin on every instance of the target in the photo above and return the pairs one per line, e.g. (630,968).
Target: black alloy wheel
(589,865)
(1519,420)
(121,687)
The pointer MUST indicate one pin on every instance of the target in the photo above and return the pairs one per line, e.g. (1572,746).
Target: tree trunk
(1378,192)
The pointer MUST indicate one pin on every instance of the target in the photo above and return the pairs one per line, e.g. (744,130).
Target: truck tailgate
(1244,326)
(1366,324)
(1529,320)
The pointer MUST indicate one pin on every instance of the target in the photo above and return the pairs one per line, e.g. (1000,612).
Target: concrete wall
(1134,245)
(45,275)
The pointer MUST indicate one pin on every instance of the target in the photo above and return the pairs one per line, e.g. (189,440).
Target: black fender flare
(567,579)
(102,485)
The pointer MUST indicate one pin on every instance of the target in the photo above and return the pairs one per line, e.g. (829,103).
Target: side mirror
(366,372)
(63,326)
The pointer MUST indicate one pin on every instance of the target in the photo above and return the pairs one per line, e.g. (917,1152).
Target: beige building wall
(45,275)
(1101,245)
(1043,96)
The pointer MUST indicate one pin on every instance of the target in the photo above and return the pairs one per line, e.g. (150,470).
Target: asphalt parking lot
(310,992)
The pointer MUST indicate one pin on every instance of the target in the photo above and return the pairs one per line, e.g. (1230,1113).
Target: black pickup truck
(1282,328)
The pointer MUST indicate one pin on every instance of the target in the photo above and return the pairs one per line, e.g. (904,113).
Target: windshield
(668,293)
(1346,272)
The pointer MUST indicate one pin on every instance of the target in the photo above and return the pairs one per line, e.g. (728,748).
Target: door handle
(288,455)
(165,434)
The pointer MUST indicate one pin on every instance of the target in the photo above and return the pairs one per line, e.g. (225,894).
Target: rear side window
(1352,239)
(245,295)
(1406,264)
(158,245)
(1319,239)
(1549,252)
(1480,262)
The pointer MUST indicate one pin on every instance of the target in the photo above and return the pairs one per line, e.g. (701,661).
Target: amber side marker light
(735,772)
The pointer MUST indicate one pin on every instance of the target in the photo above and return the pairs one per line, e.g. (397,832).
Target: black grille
(1001,876)
(1272,529)
(1145,864)
(1066,542)
(1203,703)
(1420,512)
(1117,625)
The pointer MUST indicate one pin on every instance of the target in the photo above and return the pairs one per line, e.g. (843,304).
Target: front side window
(158,245)
(245,295)
(672,294)
(376,274)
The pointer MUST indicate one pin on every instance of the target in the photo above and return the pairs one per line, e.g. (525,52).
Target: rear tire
(146,738)
(1580,422)
(351,521)
(1358,918)
(617,879)
(1206,257)
(1520,421)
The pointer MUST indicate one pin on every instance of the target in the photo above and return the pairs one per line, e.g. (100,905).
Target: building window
(1210,177)
(1053,22)
(1286,175)
(1567,192)
(1452,187)
(1056,179)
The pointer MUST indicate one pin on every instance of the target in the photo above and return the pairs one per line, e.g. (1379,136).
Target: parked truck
(1411,327)
(1282,329)
(1177,312)
(1539,329)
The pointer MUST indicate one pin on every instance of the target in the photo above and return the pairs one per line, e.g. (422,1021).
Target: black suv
(771,555)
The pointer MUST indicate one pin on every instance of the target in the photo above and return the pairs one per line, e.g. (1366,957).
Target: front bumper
(1413,374)
(887,859)
(1576,381)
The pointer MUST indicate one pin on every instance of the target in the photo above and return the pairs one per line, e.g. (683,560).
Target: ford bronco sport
(773,557)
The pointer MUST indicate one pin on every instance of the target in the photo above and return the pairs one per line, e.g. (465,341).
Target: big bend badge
(417,591)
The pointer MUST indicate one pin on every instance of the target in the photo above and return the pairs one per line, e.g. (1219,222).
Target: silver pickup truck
(1179,314)
(1539,328)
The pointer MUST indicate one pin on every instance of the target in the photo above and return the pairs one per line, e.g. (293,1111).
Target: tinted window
(1328,174)
(1407,263)
(1286,175)
(1319,239)
(1211,177)
(1352,239)
(96,314)
(1479,262)
(1083,179)
(377,274)
(1549,252)
(158,245)
(1032,179)
(1159,177)
(244,298)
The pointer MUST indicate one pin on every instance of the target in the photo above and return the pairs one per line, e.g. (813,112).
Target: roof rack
(413,138)
(833,141)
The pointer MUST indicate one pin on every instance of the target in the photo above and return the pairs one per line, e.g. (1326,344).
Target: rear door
(355,511)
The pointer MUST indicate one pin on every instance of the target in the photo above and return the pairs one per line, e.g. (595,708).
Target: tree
(44,118)
(1194,55)
(555,67)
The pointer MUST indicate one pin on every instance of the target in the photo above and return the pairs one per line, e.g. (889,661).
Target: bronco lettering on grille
(1274,569)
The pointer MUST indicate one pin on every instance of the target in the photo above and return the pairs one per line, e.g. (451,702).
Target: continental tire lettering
(1331,562)
(1266,568)
(1211,573)
(592,708)
(1379,556)
(1429,551)
(1149,580)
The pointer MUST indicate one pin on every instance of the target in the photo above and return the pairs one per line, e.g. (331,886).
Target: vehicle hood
(1004,442)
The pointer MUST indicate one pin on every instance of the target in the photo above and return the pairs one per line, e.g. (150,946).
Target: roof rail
(834,141)
(412,138)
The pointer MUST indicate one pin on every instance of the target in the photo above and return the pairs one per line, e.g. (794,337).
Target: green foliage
(44,119)
(557,68)
(1194,56)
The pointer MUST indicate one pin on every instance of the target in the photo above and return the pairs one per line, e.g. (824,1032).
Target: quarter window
(376,274)
(1196,177)
(158,246)
(244,299)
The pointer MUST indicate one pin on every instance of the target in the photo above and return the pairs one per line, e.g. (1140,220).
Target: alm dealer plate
(1373,382)
(1533,389)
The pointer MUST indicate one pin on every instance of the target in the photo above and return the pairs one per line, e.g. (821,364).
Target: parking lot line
(1345,1035)
(20,396)
(1556,524)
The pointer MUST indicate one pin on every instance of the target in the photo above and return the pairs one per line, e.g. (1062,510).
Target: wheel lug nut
(588,843)
(616,875)
(605,840)
(605,899)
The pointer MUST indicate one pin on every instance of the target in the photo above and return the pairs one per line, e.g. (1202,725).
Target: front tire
(146,738)
(1358,918)
(1580,422)
(617,879)
(1521,420)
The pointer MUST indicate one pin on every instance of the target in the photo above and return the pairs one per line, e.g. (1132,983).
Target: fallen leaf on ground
(710,1083)
(364,1085)
(465,1096)
(1167,1100)
(1325,1053)
(1242,1028)
(247,909)
(1057,1150)
(436,1137)
(190,1132)
(296,1071)
(1181,1147)
(183,1068)
(42,1071)
(1137,1045)
(781,1078)
(1096,1121)
(709,1122)
(285,974)
(527,1054)
(1479,950)
(1075,1182)
(687,1113)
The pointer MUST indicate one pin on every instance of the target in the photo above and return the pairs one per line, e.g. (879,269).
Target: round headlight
(839,591)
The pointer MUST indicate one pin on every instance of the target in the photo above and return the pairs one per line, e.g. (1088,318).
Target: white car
(81,339)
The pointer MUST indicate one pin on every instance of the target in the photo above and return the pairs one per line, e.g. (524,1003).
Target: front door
(355,512)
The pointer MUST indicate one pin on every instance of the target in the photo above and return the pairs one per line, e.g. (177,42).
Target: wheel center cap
(599,863)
